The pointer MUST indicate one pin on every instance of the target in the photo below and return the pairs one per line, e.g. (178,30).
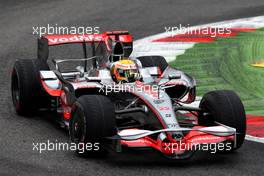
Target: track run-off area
(213,54)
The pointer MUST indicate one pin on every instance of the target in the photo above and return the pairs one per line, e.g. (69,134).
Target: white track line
(254,139)
(170,50)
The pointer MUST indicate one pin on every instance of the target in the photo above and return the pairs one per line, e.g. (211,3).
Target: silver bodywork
(151,90)
(103,81)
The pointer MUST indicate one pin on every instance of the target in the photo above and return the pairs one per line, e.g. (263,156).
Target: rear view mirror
(153,71)
(174,76)
(81,70)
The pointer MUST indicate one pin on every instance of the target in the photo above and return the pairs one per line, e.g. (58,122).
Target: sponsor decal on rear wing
(76,38)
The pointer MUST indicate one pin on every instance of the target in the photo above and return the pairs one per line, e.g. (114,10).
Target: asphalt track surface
(141,18)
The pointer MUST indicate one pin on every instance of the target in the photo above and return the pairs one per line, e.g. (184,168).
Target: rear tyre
(153,61)
(25,87)
(224,106)
(93,119)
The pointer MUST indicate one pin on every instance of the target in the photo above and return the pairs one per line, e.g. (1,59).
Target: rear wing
(50,40)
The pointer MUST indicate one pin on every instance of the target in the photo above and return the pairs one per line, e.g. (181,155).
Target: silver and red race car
(118,101)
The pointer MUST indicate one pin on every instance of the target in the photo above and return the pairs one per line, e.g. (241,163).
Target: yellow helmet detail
(124,71)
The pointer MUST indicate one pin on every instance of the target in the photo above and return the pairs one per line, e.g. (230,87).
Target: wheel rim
(206,120)
(15,90)
(77,128)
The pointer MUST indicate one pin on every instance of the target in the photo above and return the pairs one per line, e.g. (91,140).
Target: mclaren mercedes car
(119,101)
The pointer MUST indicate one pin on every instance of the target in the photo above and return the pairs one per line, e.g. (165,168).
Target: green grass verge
(225,64)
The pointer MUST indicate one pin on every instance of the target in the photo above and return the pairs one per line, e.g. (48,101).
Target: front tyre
(93,119)
(224,106)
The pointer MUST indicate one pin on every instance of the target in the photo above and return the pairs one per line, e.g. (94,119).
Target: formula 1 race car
(118,101)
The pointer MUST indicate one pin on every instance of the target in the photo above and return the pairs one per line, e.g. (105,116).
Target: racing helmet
(124,71)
